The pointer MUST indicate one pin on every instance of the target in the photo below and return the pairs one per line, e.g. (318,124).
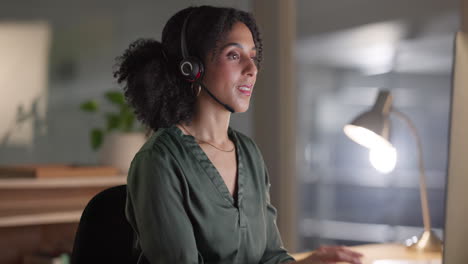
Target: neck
(210,123)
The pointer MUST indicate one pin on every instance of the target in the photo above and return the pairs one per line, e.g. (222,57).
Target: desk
(385,251)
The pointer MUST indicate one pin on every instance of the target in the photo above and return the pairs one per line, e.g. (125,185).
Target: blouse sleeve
(156,211)
(274,252)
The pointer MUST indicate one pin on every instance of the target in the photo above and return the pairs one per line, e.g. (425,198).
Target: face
(232,73)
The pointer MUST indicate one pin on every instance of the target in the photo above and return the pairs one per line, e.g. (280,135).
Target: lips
(245,89)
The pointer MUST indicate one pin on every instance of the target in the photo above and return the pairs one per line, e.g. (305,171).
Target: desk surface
(386,251)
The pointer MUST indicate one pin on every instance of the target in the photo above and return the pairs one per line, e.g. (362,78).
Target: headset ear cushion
(191,69)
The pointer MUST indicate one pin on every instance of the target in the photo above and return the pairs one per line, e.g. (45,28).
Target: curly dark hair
(148,69)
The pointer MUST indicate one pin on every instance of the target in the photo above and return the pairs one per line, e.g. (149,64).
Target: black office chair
(104,235)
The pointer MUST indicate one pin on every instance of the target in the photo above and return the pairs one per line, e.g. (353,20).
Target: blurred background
(58,54)
(346,52)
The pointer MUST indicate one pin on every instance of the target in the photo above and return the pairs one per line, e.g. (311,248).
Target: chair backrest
(104,235)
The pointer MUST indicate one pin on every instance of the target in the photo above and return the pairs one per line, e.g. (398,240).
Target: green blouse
(182,211)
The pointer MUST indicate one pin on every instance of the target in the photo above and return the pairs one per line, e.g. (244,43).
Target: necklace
(205,142)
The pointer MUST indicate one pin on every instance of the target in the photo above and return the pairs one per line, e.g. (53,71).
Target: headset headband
(183,45)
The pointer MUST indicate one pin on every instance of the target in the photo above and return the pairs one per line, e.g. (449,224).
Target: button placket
(240,205)
(242,218)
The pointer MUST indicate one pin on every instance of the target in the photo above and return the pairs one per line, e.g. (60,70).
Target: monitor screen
(456,219)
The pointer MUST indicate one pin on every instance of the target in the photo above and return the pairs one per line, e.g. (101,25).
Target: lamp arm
(422,174)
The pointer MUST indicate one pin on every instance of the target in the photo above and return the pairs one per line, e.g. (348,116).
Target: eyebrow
(235,44)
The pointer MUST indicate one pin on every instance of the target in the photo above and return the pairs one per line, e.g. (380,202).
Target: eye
(233,56)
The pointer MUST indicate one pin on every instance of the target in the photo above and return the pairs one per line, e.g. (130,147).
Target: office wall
(85,37)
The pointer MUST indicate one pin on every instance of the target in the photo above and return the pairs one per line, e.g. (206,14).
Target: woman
(198,191)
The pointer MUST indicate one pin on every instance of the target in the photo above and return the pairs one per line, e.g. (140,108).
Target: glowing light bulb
(383,158)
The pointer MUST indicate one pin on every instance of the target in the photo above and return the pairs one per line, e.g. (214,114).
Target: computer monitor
(456,218)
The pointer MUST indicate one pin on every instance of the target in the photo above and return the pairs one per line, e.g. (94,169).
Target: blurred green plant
(123,120)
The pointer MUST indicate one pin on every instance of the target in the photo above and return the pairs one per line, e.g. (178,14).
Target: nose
(250,68)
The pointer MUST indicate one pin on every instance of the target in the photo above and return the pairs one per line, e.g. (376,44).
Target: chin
(242,108)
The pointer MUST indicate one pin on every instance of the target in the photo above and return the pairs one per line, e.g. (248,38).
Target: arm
(156,210)
(331,254)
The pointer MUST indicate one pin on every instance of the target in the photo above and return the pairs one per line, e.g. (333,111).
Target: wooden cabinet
(43,214)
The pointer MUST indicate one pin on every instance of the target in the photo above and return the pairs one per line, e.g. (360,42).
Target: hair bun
(138,55)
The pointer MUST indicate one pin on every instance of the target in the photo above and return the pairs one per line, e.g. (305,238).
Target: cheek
(224,74)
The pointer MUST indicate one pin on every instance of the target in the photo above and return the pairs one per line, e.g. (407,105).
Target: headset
(192,68)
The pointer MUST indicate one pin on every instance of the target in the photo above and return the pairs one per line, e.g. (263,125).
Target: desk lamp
(371,130)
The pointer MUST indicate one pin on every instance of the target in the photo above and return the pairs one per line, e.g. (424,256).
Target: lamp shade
(371,129)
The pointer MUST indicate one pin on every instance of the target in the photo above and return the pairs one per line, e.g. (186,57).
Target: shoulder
(159,140)
(158,155)
(163,143)
(157,167)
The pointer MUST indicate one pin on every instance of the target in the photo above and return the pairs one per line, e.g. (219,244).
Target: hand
(333,254)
